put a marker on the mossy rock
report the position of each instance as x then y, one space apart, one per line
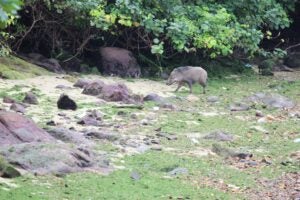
15 68
7 170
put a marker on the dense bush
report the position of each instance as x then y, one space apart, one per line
163 27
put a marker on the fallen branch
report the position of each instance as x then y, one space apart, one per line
80 49
293 46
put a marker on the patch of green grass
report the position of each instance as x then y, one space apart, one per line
153 183
87 105
15 68
14 92
153 166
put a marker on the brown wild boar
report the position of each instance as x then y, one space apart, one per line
189 75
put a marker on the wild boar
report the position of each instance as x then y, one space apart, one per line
189 75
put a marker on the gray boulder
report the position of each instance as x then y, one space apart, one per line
15 128
94 88
271 100
119 62
53 158
30 98
17 107
219 136
293 60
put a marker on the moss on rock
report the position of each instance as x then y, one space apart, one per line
15 68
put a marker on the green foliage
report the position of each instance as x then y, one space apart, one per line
8 9
163 27
212 26
272 58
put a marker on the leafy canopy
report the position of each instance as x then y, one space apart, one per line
217 27
214 27
8 9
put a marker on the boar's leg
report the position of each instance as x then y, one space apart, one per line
190 86
204 87
180 84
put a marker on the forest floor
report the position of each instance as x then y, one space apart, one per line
198 148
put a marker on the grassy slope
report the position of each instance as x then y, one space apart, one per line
209 177
16 68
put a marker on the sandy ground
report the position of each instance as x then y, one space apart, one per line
288 76
47 85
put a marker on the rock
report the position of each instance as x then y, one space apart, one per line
156 108
225 152
119 62
30 98
259 113
121 113
72 65
155 141
64 102
115 92
297 140
295 114
15 128
53 158
63 87
142 148
92 118
192 98
111 92
118 93
153 97
135 175
69 136
51 123
18 108
259 129
271 100
95 114
239 107
212 99
293 60
51 64
133 116
219 136
156 148
36 56
249 162
178 171
94 88
81 83
145 122
89 121
167 106
295 155
103 135
62 114
8 100
267 118
167 136
7 170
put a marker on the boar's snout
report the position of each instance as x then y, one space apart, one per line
169 81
